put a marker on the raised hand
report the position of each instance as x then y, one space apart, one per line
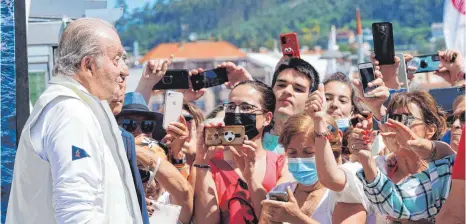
191 95
390 72
155 70
178 132
205 153
235 73
360 142
451 66
316 104
380 95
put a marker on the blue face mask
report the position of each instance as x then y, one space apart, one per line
343 124
303 170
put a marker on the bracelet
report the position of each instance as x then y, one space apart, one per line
434 152
321 134
154 171
202 166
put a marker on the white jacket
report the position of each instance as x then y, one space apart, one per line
78 171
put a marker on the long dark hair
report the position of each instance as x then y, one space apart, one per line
267 98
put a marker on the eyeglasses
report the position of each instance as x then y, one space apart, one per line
452 118
405 119
243 108
130 125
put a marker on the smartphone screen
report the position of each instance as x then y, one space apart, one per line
209 78
174 79
366 71
384 47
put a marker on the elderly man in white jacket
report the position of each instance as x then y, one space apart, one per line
71 166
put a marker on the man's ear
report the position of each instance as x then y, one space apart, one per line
86 64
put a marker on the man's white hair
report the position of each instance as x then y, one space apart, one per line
78 40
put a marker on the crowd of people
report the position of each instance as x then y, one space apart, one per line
92 153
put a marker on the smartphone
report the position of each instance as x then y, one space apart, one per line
425 63
366 73
172 107
384 47
446 96
174 79
209 78
290 45
278 196
228 135
403 72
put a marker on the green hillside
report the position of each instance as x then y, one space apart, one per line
257 23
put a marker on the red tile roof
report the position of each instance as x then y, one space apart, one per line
195 50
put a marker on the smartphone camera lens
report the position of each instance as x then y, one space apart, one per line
167 80
435 58
382 29
283 39
424 64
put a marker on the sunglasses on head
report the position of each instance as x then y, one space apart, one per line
452 118
130 125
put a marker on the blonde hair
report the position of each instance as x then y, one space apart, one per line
303 124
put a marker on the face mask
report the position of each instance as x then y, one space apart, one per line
303 170
343 124
246 120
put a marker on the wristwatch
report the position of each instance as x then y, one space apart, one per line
178 161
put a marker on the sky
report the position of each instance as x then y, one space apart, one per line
131 3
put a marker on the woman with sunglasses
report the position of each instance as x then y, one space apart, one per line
456 121
231 182
413 180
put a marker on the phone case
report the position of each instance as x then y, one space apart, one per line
172 107
278 196
290 45
425 63
209 78
384 47
402 72
228 135
174 79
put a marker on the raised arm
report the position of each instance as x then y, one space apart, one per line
329 174
153 72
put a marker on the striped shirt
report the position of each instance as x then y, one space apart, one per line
419 196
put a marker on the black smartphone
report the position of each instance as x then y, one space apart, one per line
174 79
209 78
366 72
384 47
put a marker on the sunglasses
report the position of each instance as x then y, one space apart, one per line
130 125
188 117
405 119
452 118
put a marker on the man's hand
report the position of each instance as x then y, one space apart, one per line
153 72
451 67
235 73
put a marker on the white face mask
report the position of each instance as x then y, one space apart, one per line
343 124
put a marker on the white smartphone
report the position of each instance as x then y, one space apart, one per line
366 73
402 72
172 108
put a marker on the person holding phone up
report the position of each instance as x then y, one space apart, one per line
232 181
